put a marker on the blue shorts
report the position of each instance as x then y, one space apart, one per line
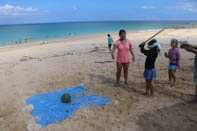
150 74
172 67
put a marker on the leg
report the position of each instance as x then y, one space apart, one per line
174 77
170 76
147 87
126 67
118 74
151 87
109 47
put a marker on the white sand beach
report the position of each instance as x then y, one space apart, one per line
33 69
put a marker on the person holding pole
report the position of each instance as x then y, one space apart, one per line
150 71
152 53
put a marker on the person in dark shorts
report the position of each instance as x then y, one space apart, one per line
110 41
150 71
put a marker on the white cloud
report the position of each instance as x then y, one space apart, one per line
148 7
187 6
10 10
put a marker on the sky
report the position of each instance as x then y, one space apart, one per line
44 11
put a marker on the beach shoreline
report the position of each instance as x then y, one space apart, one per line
58 40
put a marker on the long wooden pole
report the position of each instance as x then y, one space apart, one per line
155 35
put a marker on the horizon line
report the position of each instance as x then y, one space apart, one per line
99 21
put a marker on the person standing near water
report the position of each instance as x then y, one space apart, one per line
110 41
124 47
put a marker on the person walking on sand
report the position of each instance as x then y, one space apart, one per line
110 42
193 49
150 71
174 56
124 47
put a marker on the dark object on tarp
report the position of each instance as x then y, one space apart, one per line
66 98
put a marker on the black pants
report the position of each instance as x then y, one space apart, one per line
109 45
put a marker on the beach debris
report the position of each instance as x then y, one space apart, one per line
33 127
103 62
26 58
66 98
28 108
95 49
58 55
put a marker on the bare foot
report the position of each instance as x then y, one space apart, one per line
152 94
126 83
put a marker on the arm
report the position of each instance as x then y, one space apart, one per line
191 49
132 53
144 51
113 51
166 54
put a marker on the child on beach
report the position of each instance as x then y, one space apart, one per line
174 56
110 41
150 71
193 49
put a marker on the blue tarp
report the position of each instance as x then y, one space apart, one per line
48 107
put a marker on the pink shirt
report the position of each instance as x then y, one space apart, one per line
123 52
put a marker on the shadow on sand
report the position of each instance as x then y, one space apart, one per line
139 87
179 117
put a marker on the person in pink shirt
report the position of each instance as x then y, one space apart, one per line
174 56
124 47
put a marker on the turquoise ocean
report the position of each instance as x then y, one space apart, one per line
27 33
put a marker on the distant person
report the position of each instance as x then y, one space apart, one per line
43 42
110 41
12 42
124 47
193 49
174 56
150 71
